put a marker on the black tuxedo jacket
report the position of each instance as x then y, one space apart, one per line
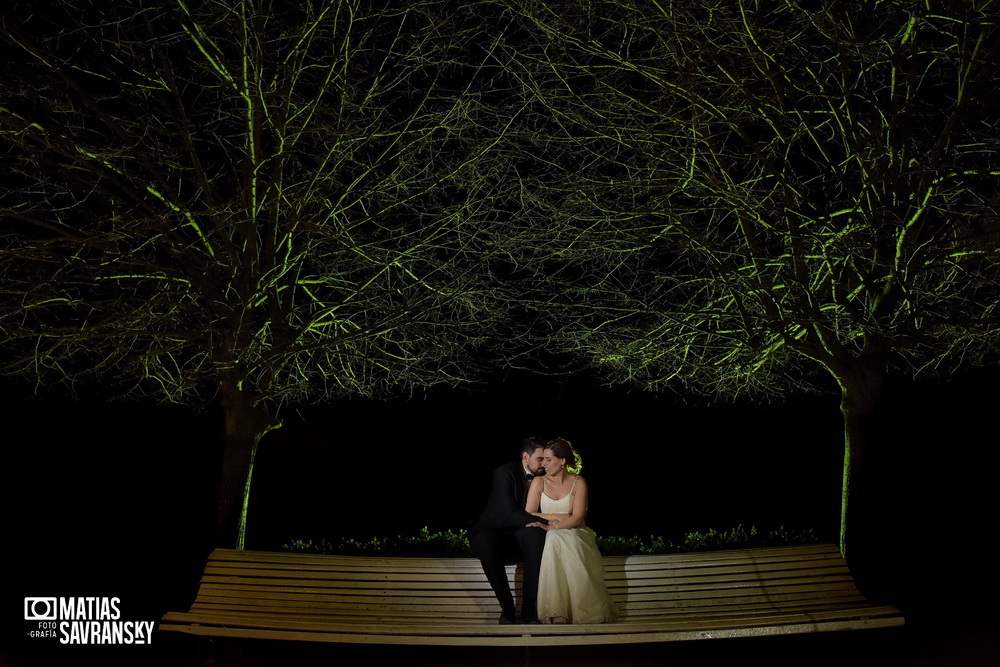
505 507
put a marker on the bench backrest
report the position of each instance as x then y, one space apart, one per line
789 577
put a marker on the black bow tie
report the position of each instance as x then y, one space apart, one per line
529 476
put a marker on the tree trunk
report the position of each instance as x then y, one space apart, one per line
246 422
861 385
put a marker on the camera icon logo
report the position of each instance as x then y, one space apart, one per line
40 609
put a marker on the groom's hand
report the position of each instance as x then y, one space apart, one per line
543 526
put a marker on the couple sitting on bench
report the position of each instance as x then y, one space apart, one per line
538 505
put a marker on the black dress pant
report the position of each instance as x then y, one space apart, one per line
496 547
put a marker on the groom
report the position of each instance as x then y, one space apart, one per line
500 533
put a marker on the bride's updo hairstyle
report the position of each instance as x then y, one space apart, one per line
561 449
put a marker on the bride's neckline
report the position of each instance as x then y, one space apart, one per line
569 493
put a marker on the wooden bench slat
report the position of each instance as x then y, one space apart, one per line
251 623
438 611
273 561
705 589
437 607
489 606
294 587
722 569
533 640
394 626
613 572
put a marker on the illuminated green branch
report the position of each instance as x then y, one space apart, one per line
800 168
217 199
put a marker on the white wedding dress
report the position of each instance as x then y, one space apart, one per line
571 586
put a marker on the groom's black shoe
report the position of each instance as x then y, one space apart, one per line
506 619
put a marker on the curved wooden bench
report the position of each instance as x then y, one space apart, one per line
437 601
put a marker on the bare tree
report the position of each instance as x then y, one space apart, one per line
261 201
752 193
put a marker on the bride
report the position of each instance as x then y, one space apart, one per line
571 585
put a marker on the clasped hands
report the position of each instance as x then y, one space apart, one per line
553 524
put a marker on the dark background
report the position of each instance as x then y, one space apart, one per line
117 499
